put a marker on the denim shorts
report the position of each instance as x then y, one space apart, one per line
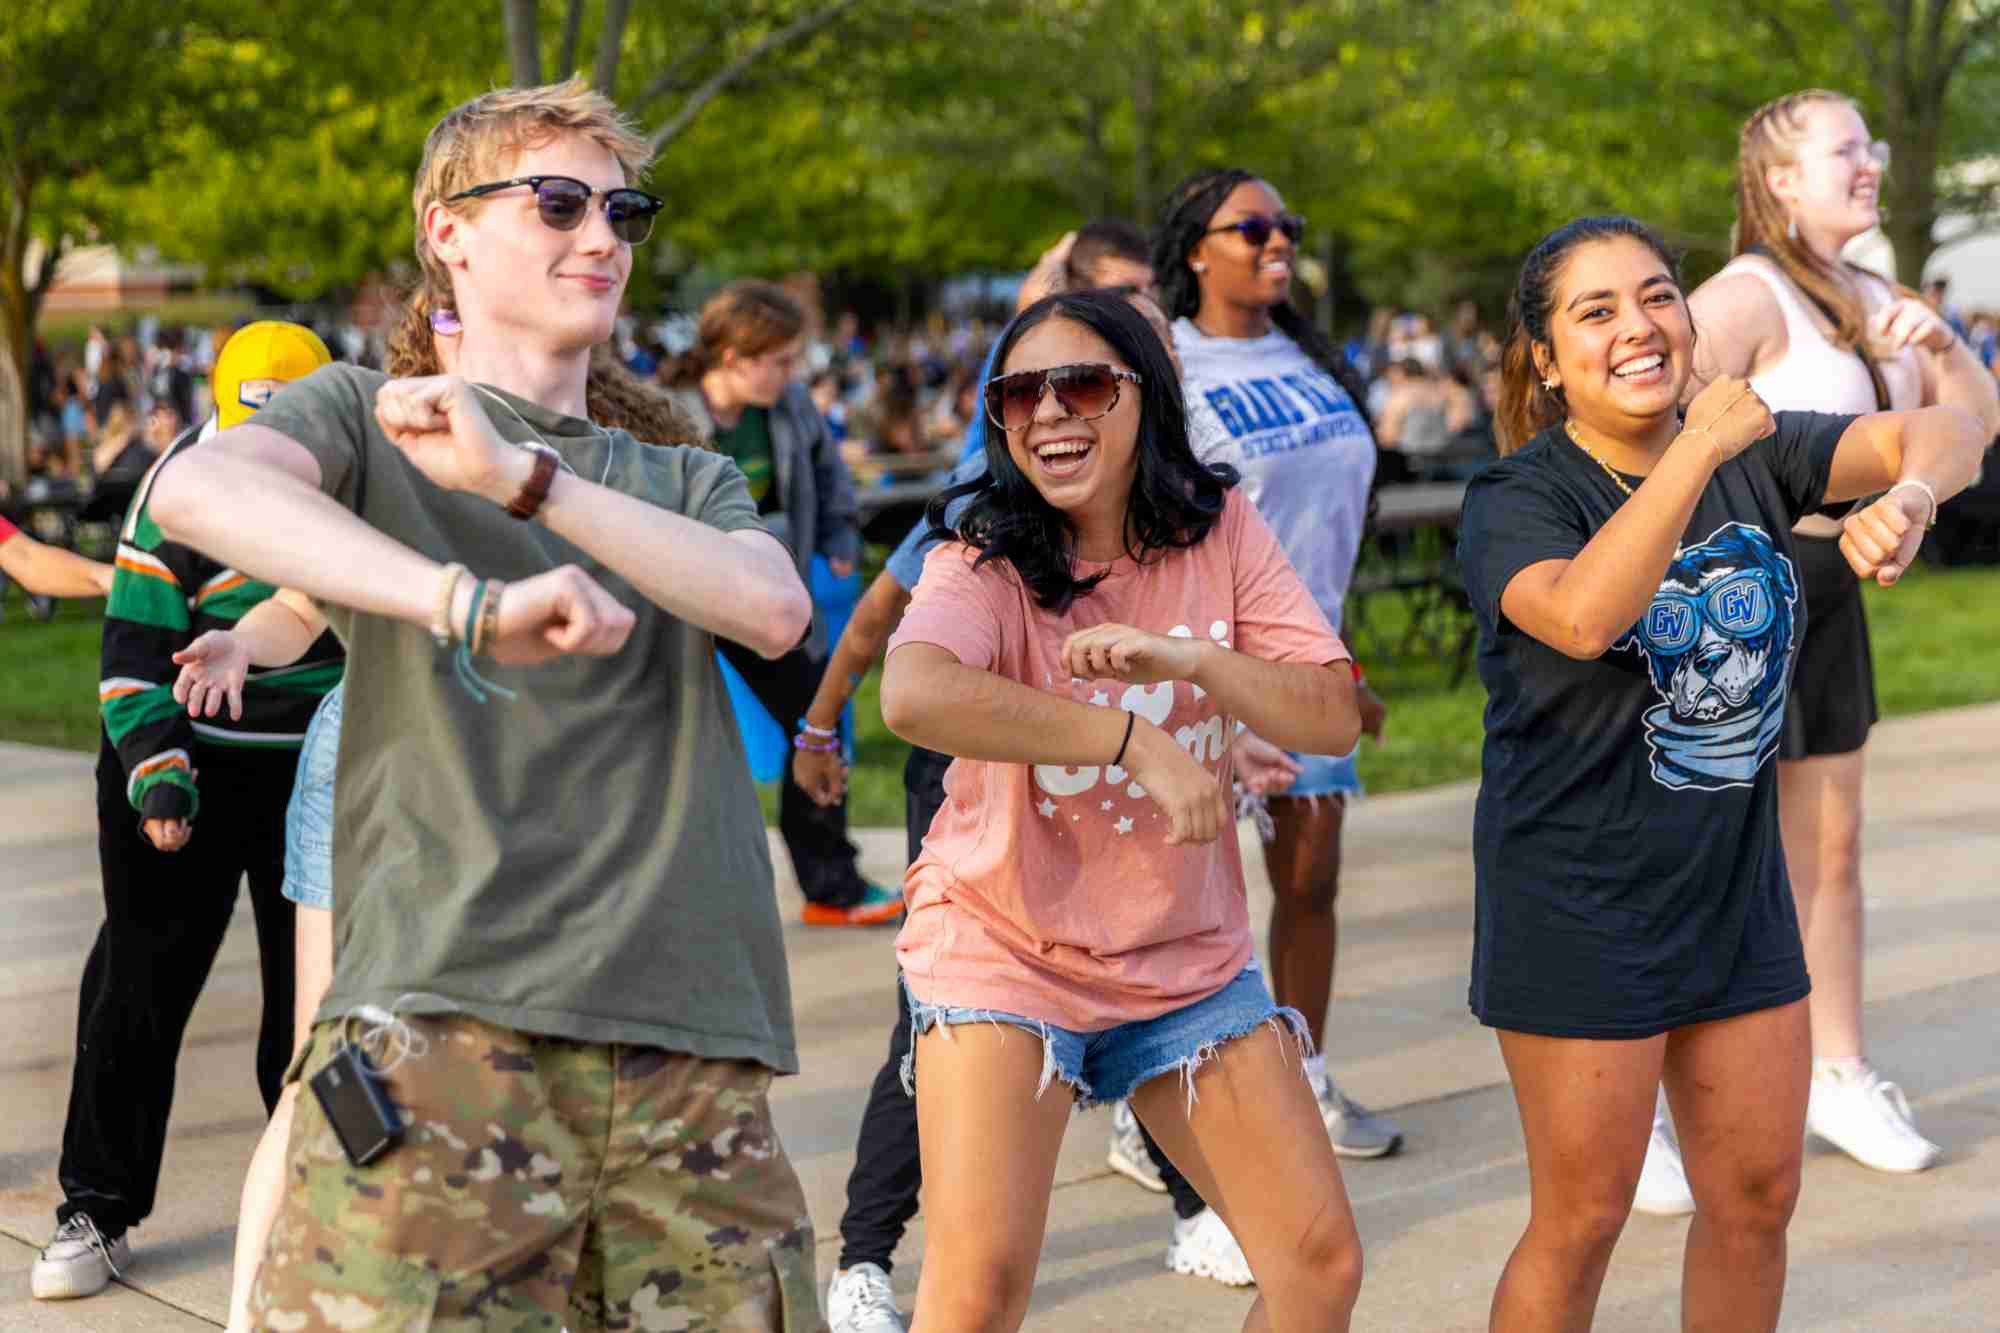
309 818
1107 1066
1324 775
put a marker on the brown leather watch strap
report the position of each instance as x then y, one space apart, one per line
536 488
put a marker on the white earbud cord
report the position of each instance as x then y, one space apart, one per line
544 442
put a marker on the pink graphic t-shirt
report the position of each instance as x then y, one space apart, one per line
1051 892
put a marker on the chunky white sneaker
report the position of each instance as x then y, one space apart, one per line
1868 1118
1663 1183
858 1300
1203 1247
79 1261
1355 1130
1128 1155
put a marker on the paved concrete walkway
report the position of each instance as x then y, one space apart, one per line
1869 1252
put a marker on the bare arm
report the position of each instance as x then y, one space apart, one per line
875 618
277 526
741 585
1934 447
50 571
276 632
1580 606
932 699
1953 377
822 774
1297 705
1738 330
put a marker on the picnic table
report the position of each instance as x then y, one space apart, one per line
1409 556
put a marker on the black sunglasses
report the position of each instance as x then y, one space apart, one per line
1086 391
563 200
1257 228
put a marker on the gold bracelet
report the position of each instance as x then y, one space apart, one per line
441 618
489 615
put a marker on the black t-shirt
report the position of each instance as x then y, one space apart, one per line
1629 869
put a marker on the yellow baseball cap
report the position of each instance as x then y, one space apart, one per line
256 360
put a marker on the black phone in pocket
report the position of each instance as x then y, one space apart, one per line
363 1118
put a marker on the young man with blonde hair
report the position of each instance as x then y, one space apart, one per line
553 902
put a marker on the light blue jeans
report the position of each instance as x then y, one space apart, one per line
309 818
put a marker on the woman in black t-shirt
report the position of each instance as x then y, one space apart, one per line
1638 607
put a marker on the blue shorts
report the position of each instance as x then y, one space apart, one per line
1324 775
1107 1066
309 818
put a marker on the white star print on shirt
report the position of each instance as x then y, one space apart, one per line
1047 807
1124 825
1106 807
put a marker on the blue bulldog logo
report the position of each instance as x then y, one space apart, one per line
1718 640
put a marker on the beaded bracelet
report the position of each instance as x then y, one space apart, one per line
805 742
821 732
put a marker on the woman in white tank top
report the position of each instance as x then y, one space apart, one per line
1811 332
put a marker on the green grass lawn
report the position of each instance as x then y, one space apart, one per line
1937 640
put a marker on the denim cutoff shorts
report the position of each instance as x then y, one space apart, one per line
1324 775
309 818
1107 1066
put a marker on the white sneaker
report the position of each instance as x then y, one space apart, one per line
1868 1118
1203 1247
79 1261
1354 1130
1128 1155
1663 1183
859 1300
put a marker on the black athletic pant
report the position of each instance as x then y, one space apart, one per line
888 1168
164 918
824 861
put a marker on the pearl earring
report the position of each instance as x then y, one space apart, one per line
1549 384
1791 229
1198 266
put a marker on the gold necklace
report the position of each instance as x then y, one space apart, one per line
1569 428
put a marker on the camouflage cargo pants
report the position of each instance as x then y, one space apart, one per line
544 1184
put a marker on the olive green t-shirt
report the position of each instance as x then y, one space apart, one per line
585 860
749 443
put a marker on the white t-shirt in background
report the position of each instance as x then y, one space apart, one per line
1304 451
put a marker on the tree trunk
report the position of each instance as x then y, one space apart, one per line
1910 191
572 34
1145 71
609 43
17 332
524 52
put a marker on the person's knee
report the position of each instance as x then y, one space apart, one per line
1327 1260
1586 1230
1753 1200
988 1295
1311 891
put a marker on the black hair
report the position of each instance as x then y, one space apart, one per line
1099 239
1184 221
1175 499
1526 408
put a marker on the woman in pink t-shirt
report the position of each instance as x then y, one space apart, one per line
1086 648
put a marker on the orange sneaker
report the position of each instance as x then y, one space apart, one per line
878 907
